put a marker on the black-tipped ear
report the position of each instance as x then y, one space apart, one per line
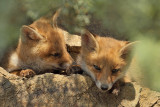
89 42
28 33
55 16
126 51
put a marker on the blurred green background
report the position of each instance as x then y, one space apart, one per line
136 20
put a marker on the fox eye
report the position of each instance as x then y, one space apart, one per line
115 70
96 67
56 54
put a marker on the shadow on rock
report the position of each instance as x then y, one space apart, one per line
7 93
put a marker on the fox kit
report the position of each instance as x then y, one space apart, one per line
41 47
105 59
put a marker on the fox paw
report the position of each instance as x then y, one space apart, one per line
74 69
27 73
115 91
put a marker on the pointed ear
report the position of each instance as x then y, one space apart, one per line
28 33
54 18
89 42
126 51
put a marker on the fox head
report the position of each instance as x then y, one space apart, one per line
42 46
105 59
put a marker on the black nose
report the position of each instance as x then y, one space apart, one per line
104 87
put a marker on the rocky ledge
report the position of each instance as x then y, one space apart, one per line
69 91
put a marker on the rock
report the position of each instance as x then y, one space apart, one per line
73 43
72 40
69 91
149 98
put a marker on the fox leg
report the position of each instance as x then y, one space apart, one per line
24 73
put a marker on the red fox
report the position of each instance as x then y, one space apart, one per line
105 59
41 47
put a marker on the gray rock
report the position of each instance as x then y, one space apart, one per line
69 91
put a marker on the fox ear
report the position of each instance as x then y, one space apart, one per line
55 16
126 51
28 33
89 42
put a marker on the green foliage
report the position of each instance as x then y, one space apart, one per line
129 17
148 55
73 11
11 19
75 14
38 8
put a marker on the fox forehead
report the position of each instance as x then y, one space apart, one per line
44 27
108 53
53 35
109 44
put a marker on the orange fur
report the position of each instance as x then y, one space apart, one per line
107 54
41 47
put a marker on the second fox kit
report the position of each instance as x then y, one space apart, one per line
41 47
105 59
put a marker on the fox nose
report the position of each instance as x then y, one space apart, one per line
64 65
104 87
